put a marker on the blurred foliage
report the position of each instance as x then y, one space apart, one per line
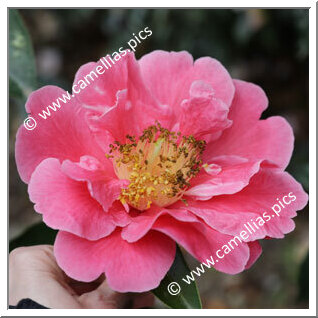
268 47
22 73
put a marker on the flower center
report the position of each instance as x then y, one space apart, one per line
158 164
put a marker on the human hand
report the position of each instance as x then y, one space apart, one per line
34 274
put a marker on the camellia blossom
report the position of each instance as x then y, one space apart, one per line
155 152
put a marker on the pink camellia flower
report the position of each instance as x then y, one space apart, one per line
154 152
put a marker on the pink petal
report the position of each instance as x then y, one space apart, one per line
141 224
169 76
103 187
129 267
120 216
213 72
135 108
271 139
235 173
66 204
203 115
104 83
101 93
230 214
255 253
164 73
203 242
64 135
111 120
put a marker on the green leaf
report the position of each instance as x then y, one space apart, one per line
35 235
188 297
22 73
14 90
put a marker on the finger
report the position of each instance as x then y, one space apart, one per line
82 288
104 297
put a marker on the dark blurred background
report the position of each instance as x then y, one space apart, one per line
266 46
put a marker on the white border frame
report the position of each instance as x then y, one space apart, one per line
312 160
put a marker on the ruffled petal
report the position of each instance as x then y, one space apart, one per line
233 175
235 213
129 267
135 108
164 73
271 139
203 242
169 75
105 80
64 135
213 72
66 204
203 115
141 224
102 184
255 253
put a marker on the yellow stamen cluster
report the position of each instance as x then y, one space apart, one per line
158 165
